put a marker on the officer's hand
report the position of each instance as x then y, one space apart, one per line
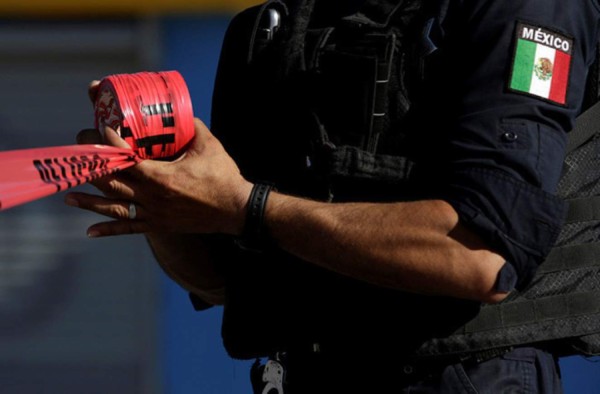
94 136
200 192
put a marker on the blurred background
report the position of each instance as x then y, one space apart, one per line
98 316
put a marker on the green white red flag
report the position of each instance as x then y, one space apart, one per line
542 63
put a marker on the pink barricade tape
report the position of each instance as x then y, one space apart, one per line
30 174
151 111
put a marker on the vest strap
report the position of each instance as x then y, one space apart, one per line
583 209
376 13
571 257
526 312
348 161
586 127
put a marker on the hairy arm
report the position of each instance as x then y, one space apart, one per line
414 246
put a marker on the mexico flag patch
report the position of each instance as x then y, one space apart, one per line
542 63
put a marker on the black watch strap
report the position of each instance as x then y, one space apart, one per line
254 236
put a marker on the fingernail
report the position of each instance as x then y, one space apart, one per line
93 233
71 201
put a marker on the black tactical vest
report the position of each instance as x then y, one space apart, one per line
321 108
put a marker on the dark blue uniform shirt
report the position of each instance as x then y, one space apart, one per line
499 86
505 81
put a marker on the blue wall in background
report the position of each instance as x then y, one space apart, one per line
194 359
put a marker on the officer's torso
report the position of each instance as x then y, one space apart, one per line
316 130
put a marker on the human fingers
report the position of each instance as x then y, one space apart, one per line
89 136
93 90
110 185
113 208
93 136
111 137
140 170
201 135
118 227
116 186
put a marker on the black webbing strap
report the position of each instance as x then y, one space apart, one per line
292 56
531 311
565 258
571 257
579 255
583 209
348 161
587 126
376 13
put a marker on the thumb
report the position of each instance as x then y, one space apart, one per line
89 136
111 137
93 90
202 138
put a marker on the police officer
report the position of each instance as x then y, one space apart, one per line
340 271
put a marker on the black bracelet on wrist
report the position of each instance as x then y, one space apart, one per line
253 236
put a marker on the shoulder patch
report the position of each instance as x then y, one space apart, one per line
541 63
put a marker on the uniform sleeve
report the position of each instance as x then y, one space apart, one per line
513 75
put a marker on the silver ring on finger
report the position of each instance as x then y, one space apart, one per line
132 211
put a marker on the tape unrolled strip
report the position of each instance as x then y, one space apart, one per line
151 111
31 174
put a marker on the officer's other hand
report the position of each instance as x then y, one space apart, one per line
91 136
95 137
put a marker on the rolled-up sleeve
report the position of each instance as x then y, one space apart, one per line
506 116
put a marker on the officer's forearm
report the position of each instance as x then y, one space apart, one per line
415 246
186 259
